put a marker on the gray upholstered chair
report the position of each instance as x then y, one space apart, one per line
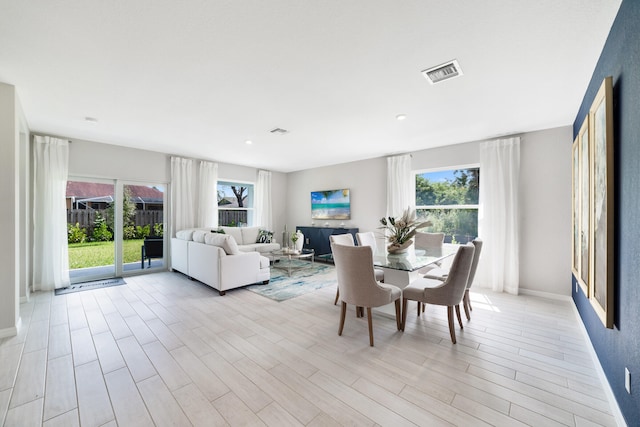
358 285
369 239
448 293
428 241
441 274
341 239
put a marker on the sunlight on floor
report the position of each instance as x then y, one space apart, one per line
482 302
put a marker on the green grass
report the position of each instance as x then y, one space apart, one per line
97 254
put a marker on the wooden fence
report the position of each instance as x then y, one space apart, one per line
86 217
232 217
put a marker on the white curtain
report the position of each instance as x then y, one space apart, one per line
183 212
400 186
50 252
498 224
263 200
207 195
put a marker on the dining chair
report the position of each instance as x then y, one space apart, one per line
447 293
341 239
441 273
428 241
358 285
369 239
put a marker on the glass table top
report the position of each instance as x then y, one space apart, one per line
413 259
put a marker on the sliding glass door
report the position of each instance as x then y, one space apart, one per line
143 227
90 225
114 228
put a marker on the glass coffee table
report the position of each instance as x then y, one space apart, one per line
287 260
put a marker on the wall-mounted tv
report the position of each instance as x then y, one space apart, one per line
332 204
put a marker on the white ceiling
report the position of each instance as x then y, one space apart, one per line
199 77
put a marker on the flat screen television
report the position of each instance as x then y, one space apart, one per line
332 204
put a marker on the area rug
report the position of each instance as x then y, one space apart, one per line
89 286
281 287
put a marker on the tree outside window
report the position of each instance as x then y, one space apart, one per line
450 200
235 203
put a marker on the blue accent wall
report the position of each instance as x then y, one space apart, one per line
619 347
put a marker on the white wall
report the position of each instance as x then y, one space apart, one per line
544 199
366 180
9 218
545 211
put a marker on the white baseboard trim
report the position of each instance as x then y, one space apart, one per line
615 408
547 295
24 299
13 331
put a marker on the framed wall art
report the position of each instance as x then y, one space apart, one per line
581 254
602 203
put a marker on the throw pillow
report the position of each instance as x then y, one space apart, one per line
264 236
230 246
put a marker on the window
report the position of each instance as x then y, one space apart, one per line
235 203
449 199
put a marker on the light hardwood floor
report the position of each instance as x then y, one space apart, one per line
163 350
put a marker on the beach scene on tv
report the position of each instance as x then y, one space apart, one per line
332 204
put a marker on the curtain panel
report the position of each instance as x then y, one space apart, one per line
183 214
263 200
50 251
498 223
207 195
400 186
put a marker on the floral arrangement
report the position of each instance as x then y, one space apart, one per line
401 230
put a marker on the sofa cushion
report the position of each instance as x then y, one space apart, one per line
214 239
230 246
264 236
184 235
249 234
198 236
236 232
224 241
260 247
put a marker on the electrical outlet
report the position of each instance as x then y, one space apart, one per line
627 380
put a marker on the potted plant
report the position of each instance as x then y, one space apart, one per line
400 230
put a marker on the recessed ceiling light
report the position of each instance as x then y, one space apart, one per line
91 120
248 142
401 116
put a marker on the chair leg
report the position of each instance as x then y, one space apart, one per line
423 306
468 299
452 332
398 315
466 304
370 320
337 296
404 313
458 315
343 314
418 308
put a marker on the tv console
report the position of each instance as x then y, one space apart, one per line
317 238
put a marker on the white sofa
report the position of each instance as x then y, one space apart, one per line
216 259
246 239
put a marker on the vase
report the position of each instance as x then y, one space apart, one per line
300 242
401 248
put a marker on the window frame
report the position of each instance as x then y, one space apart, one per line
417 172
250 196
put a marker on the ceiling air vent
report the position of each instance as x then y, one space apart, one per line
278 131
442 72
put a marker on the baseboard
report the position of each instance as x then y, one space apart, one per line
11 332
615 408
547 295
